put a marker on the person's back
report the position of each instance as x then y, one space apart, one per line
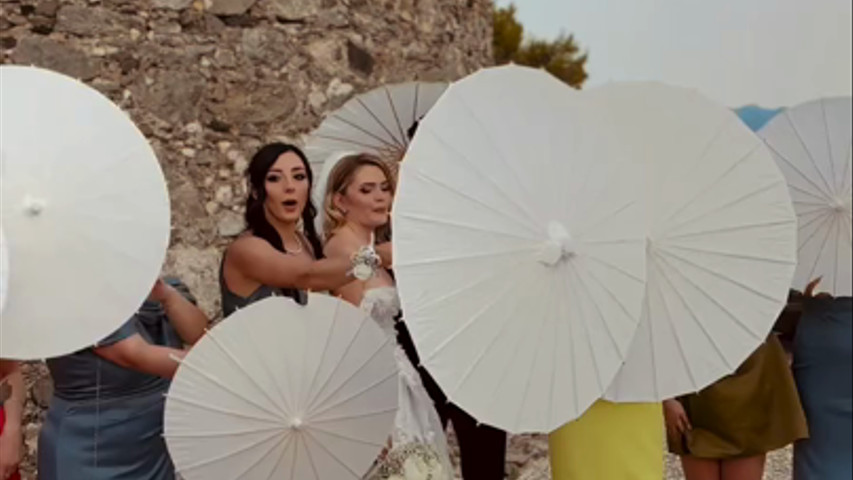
823 360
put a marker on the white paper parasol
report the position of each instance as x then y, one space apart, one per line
812 146
519 250
375 122
85 212
721 238
283 391
4 269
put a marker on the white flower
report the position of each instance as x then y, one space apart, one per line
438 470
414 468
412 461
363 272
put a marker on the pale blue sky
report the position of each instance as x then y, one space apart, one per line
768 52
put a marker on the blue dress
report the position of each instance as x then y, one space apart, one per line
823 367
105 422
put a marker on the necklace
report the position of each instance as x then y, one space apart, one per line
298 250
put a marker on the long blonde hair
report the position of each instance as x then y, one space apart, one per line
340 179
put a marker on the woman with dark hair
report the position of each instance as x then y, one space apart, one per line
280 253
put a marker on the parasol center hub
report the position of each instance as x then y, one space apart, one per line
840 204
34 206
296 424
558 247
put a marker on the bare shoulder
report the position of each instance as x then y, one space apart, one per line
246 251
247 243
341 245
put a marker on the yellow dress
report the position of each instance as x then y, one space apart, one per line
611 442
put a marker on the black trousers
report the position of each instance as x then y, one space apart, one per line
483 448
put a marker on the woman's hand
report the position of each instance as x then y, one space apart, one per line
810 288
677 423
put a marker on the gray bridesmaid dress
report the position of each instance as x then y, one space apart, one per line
231 302
105 422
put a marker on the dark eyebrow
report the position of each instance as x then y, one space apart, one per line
298 168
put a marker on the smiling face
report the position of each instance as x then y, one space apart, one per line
366 200
287 186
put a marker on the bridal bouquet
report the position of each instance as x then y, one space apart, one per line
413 461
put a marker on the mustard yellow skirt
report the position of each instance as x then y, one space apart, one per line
610 442
753 411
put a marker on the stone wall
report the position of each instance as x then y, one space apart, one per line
208 81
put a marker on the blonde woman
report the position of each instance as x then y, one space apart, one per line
357 204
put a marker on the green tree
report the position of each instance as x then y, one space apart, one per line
561 57
508 34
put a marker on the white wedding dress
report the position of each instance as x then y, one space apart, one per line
417 423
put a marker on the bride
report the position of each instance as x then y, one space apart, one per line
356 206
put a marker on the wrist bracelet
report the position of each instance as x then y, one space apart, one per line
365 262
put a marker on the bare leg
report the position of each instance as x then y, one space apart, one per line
751 468
701 468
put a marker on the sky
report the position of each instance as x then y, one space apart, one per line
772 53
